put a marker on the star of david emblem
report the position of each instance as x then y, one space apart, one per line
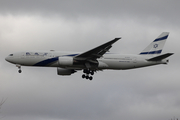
155 45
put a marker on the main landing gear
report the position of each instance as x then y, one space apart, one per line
19 67
86 75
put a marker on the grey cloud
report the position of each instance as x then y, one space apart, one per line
105 8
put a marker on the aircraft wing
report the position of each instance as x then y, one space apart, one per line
97 52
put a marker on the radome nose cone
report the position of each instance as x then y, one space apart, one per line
6 58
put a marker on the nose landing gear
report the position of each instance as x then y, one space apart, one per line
19 71
86 75
19 67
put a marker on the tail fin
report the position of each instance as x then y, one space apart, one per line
156 46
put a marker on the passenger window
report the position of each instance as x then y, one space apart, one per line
28 54
36 54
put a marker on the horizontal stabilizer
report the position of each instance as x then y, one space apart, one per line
160 57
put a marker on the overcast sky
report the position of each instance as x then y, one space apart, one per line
151 93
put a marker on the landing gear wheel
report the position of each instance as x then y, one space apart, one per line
19 71
83 76
92 72
19 67
87 77
90 78
87 72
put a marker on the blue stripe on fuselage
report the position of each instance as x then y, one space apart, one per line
51 60
46 62
162 38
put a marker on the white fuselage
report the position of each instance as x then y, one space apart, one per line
94 59
108 61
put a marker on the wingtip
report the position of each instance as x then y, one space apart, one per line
117 38
171 53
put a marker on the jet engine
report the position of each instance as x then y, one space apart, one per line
62 71
65 61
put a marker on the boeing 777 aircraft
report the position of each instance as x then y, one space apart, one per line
93 60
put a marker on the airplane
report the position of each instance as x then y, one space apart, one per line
96 59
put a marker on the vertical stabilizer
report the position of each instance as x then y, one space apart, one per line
156 46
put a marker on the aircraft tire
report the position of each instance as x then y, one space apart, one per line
90 78
87 77
19 71
92 72
83 76
84 71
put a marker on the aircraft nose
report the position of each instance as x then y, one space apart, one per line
7 59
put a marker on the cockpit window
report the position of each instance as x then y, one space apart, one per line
11 55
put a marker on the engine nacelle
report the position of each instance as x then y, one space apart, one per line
65 61
62 71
